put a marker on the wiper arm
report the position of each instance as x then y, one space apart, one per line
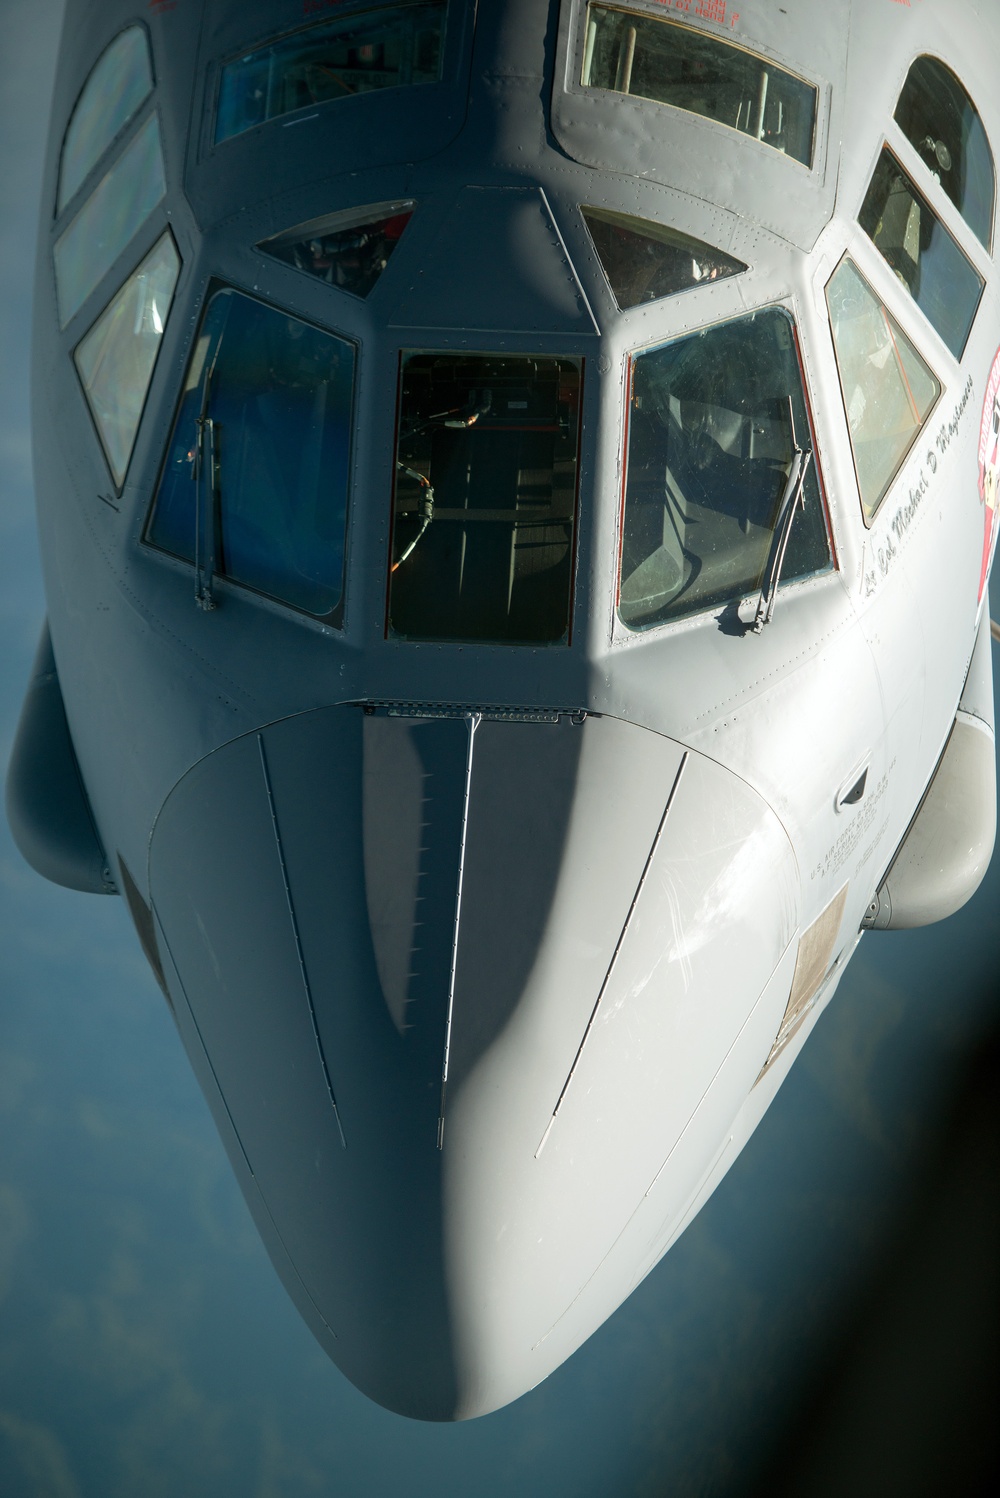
791 499
207 475
206 508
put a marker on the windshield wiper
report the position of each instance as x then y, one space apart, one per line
207 498
206 505
792 497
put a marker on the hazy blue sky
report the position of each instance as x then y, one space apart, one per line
146 1347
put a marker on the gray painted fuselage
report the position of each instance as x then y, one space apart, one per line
479 992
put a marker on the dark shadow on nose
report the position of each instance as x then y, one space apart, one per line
522 794
306 880
257 877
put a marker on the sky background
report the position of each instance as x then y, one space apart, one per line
824 1327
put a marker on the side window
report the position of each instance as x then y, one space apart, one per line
392 47
942 125
714 422
112 215
888 390
116 356
912 240
115 360
118 83
255 481
644 261
673 64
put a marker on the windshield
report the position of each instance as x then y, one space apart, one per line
485 501
713 426
256 473
386 47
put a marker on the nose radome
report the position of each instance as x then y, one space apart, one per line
639 1027
463 983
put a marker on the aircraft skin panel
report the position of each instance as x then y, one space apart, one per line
612 131
479 942
278 968
695 1164
645 1068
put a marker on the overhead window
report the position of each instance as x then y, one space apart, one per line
484 509
888 389
254 487
349 250
942 124
118 83
718 433
113 214
115 360
391 47
644 261
673 64
911 238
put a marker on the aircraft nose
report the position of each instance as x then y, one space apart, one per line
455 987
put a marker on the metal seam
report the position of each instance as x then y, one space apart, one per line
473 721
295 933
615 954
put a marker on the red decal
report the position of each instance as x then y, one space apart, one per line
989 467
712 10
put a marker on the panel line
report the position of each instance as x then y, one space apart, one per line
615 954
298 940
473 721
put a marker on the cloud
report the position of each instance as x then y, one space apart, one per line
32 1459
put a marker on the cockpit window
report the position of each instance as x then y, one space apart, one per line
349 250
942 125
943 283
391 47
115 360
110 217
485 498
675 64
888 389
715 419
644 261
911 238
255 482
118 83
